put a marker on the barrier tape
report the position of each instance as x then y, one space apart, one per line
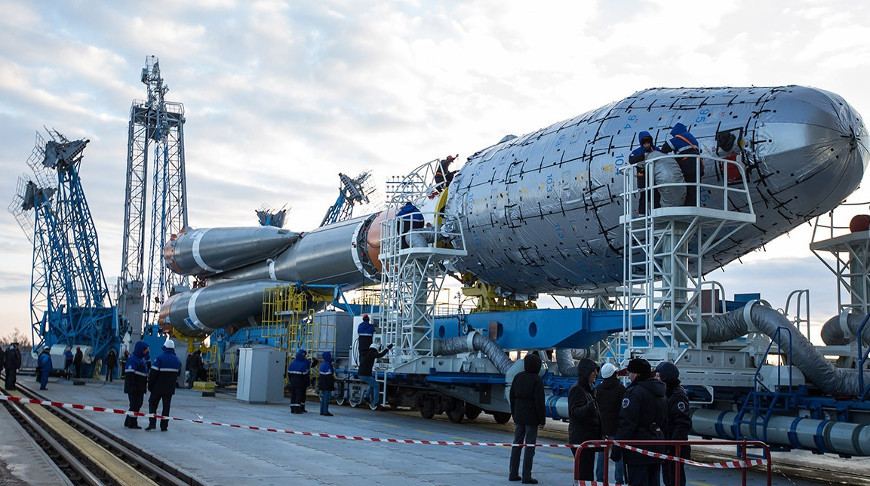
715 465
117 411
596 483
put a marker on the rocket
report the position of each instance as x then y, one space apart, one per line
540 212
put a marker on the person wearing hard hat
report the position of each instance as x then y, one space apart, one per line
609 394
162 380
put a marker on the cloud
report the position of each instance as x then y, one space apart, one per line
280 97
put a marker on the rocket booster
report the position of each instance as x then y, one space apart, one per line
213 250
541 212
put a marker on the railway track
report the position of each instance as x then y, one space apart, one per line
86 453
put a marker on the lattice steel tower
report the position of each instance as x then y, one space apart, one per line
69 297
155 130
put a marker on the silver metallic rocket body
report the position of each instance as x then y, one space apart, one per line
209 251
326 256
541 212
199 312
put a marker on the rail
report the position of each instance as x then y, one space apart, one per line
636 445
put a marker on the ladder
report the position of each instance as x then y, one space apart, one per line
413 264
665 248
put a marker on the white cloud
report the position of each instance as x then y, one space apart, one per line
281 96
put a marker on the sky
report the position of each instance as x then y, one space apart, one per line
280 97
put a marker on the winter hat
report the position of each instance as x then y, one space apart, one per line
608 370
366 317
667 371
639 366
169 344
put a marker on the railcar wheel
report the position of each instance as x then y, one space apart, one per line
456 412
472 411
501 417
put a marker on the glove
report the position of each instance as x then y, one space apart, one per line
390 346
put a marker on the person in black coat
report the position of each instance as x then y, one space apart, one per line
297 374
584 419
111 363
135 382
527 408
366 374
162 379
77 362
679 421
12 361
643 416
609 394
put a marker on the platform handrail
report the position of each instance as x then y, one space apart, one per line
638 445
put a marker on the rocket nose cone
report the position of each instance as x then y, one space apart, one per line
812 150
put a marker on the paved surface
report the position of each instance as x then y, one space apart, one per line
229 456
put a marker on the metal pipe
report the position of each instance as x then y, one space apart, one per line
815 367
798 432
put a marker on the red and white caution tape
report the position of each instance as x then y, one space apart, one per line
716 465
48 403
32 401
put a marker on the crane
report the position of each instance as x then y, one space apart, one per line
69 298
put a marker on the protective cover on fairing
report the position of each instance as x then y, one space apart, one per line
541 211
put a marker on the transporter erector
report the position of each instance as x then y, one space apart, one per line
548 212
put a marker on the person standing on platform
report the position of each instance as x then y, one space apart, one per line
608 394
365 332
111 363
67 362
643 417
43 364
161 383
77 362
2 359
135 382
638 156
326 383
366 373
13 362
684 145
584 419
679 421
527 408
298 374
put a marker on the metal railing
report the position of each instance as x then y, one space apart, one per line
743 464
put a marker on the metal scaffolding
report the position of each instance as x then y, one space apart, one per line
156 130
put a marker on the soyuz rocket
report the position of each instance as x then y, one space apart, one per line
541 211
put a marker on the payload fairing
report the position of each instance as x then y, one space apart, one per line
541 211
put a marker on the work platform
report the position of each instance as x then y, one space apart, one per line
229 456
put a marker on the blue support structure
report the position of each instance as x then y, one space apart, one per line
70 301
